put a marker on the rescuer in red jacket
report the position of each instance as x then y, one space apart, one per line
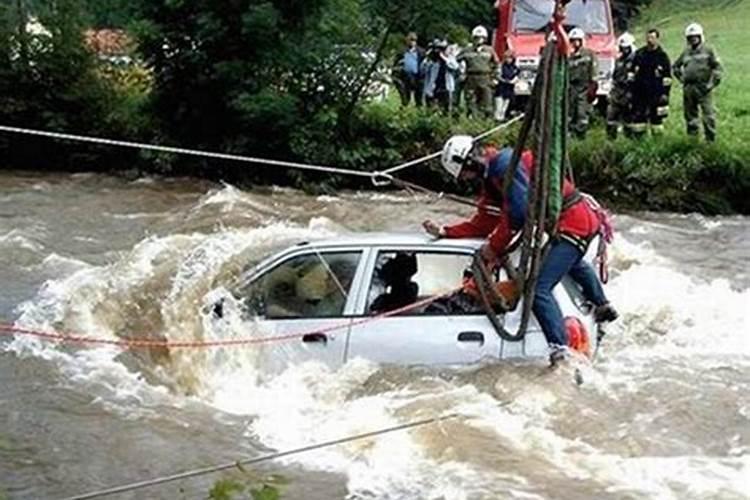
578 225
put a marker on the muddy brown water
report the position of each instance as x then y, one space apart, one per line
663 413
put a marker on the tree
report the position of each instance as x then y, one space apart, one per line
243 75
109 13
48 77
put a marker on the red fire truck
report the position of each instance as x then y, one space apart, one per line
523 25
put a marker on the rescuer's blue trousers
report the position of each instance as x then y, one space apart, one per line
563 258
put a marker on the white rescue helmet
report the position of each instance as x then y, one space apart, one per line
694 29
455 152
479 32
576 34
625 41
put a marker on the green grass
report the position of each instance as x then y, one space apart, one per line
726 25
673 171
244 484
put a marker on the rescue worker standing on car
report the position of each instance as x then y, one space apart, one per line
699 69
577 226
480 64
582 83
620 105
653 83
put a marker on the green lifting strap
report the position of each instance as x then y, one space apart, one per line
545 125
557 144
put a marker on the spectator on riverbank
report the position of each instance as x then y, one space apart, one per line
620 103
582 83
480 62
699 70
652 85
505 89
440 68
406 71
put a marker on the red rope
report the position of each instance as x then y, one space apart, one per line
131 343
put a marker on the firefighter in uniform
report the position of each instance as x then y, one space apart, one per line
582 83
699 70
578 224
619 107
653 83
479 62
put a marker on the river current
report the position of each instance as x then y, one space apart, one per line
663 413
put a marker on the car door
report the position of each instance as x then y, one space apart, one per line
306 300
415 337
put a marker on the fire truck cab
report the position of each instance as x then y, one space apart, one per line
523 24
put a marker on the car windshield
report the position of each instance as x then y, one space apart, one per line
535 15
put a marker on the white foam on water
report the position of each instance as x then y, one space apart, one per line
138 215
17 238
61 265
389 198
309 404
103 301
328 199
229 197
676 477
665 313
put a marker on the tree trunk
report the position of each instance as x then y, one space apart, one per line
23 48
357 94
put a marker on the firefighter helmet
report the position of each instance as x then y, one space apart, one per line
576 34
479 32
694 29
626 40
456 152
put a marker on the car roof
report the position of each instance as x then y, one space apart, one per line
393 239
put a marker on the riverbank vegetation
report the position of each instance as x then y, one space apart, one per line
291 80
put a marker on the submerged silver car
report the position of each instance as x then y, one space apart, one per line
335 300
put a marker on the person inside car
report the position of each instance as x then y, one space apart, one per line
396 275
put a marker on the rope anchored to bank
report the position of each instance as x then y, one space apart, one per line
184 151
382 175
418 161
378 178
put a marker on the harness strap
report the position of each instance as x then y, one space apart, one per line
579 242
571 199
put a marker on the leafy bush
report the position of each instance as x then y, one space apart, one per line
50 80
379 136
671 172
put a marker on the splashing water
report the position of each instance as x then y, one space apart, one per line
663 412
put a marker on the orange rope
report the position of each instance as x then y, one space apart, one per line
131 343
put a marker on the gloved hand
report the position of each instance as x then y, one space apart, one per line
433 229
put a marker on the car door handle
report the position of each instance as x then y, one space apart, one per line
471 337
315 337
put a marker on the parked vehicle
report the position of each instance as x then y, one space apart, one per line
327 292
522 26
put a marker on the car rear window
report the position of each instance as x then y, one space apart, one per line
535 15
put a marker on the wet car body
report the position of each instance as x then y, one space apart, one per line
325 292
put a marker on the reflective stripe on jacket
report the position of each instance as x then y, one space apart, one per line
577 220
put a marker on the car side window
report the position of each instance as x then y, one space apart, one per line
402 278
313 285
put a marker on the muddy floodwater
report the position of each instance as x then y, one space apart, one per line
663 413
